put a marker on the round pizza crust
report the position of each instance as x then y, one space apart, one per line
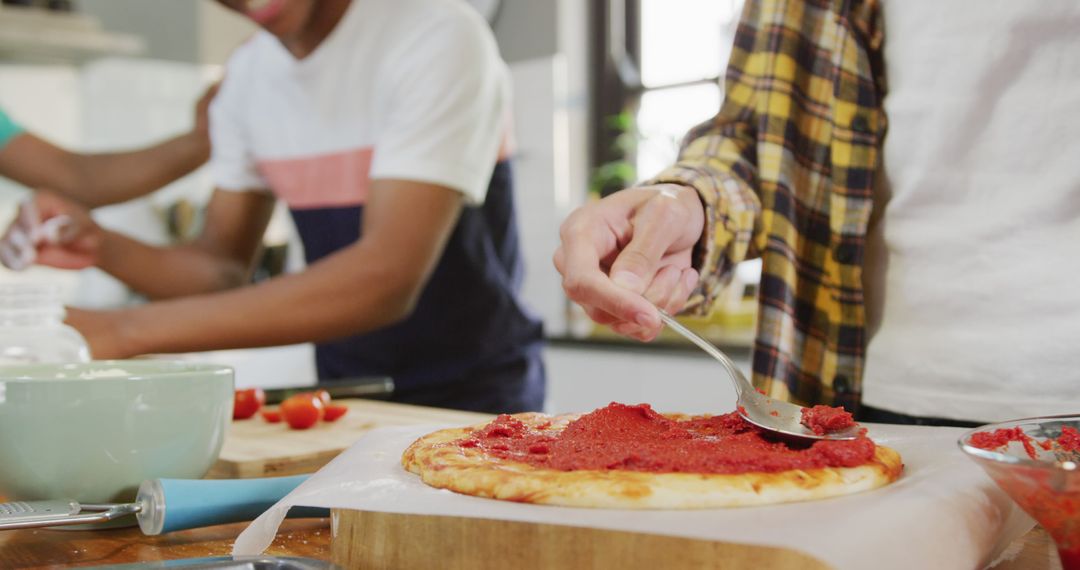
444 465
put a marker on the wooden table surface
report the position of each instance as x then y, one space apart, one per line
297 537
47 548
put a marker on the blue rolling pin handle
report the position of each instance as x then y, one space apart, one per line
193 503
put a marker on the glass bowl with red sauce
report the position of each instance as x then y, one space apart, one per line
1036 461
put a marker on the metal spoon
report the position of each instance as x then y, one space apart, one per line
782 418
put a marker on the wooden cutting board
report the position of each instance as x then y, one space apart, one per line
376 541
257 448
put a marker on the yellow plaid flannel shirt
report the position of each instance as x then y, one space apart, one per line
786 171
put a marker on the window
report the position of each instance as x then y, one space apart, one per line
684 47
659 67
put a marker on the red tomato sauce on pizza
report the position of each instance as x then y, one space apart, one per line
1070 559
636 438
1038 491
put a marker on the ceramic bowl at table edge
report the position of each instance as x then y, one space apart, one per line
94 440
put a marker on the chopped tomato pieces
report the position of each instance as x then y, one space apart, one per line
302 410
306 409
247 402
334 411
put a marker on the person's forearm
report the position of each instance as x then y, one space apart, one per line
100 179
110 178
166 272
338 296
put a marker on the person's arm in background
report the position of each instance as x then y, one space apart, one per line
107 178
640 247
220 257
368 285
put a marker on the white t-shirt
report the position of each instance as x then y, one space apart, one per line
982 290
401 89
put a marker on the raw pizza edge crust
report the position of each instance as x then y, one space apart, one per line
470 471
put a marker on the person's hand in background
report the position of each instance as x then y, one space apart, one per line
51 230
18 246
631 252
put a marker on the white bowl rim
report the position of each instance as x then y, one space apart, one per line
179 368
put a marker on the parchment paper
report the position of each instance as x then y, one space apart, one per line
942 513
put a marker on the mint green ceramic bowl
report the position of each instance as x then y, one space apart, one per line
92 432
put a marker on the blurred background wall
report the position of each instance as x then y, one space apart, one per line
603 91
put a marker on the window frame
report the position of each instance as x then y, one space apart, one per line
616 84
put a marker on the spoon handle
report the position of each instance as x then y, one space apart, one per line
737 378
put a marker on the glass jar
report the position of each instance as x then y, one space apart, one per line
32 328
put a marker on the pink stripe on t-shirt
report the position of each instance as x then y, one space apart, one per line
336 180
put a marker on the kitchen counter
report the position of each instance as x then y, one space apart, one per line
297 537
274 449
50 548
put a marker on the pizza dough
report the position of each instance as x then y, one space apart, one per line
641 463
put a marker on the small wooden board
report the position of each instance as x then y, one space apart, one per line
257 448
376 541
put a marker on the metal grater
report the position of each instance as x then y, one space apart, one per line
31 514
16 508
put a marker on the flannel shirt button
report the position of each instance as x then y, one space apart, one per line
844 253
841 384
860 124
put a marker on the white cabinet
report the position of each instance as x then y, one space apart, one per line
37 35
192 31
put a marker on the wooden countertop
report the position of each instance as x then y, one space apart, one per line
297 537
249 447
48 548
